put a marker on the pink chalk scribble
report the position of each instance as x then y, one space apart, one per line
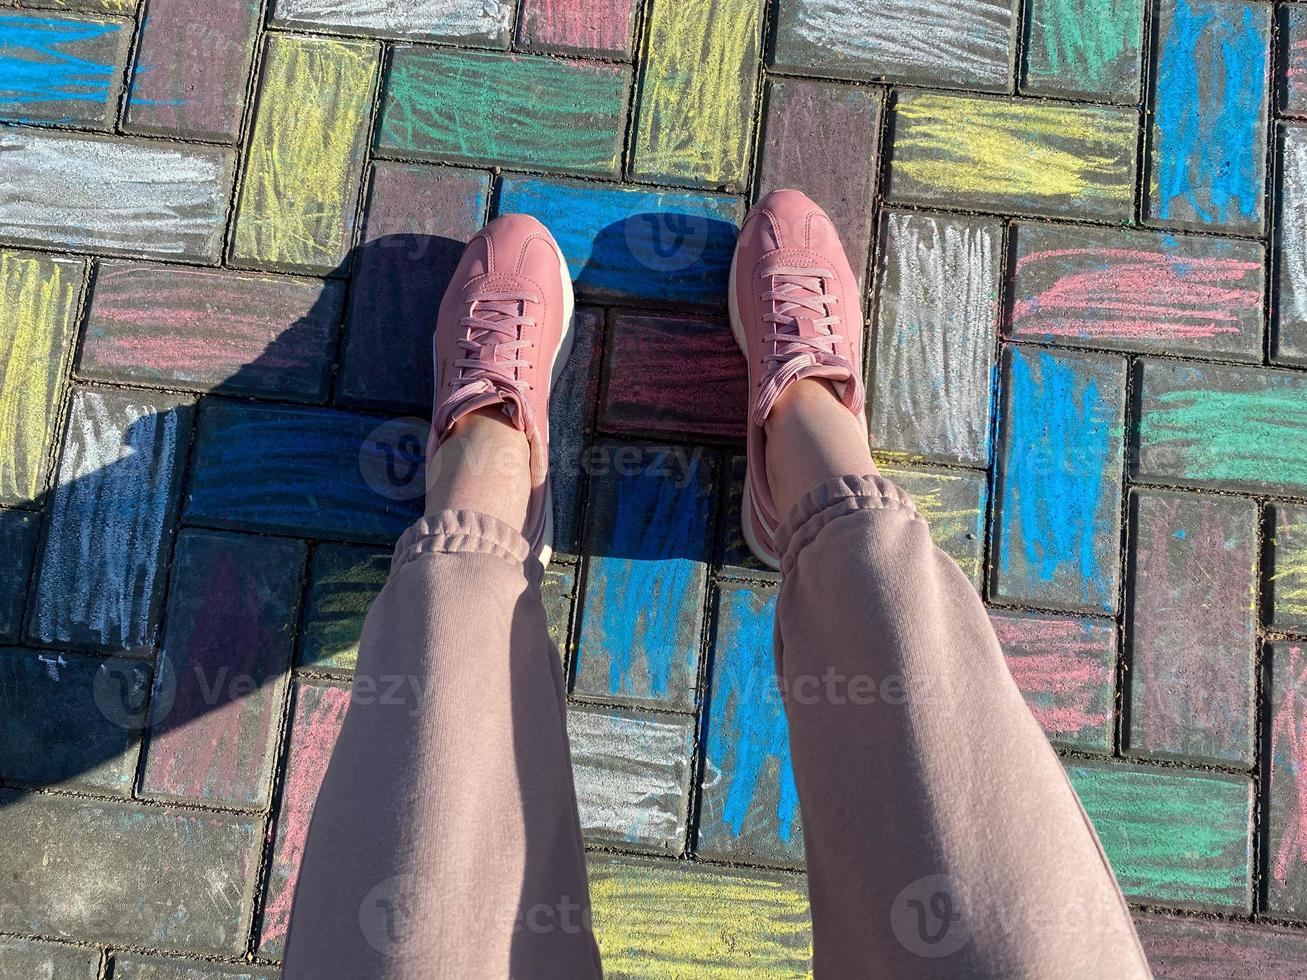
1289 752
1059 668
1135 294
313 736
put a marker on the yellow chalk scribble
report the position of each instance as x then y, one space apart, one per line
1289 579
1000 149
697 91
657 919
38 310
301 182
948 525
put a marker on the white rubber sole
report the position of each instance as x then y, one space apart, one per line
556 368
746 508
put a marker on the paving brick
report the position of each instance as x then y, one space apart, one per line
18 533
1286 844
478 22
218 692
317 713
300 187
1188 947
1289 339
699 76
1240 428
658 918
192 66
1057 539
601 27
558 593
1286 588
650 390
1013 156
62 69
546 113
648 523
38 317
114 196
824 139
129 966
1292 60
951 43
309 472
1153 822
125 873
936 319
1084 50
624 243
70 722
632 772
48 961
954 504
419 220
1192 627
571 421
749 805
343 582
1065 668
1137 291
212 330
119 478
1207 141
120 7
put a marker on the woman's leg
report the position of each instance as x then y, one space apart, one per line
942 835
445 841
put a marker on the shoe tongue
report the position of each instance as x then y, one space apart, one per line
511 402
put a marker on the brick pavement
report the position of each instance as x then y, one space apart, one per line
224 227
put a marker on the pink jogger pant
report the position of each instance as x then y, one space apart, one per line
942 836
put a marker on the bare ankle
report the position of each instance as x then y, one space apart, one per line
812 438
482 465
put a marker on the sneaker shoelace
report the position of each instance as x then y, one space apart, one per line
495 353
804 335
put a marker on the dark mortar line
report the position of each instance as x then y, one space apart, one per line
994 444
1007 94
127 74
1200 767
1078 221
1270 220
280 765
1018 44
91 796
108 949
756 122
1147 80
1124 660
240 166
639 39
612 701
54 128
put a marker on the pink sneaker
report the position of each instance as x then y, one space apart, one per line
502 337
796 314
